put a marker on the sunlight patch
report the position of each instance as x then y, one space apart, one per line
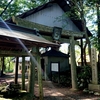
57 94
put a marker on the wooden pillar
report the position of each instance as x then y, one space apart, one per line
16 70
73 64
39 76
23 73
82 63
31 76
2 64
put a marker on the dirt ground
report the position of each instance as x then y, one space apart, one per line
54 91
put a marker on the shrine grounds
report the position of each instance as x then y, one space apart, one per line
53 91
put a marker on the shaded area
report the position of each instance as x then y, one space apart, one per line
52 91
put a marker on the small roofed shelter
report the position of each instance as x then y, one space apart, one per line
52 57
18 41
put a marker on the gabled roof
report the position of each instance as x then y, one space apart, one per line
62 3
15 38
54 53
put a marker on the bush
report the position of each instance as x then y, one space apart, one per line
84 77
65 78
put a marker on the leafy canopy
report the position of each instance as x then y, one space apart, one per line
18 7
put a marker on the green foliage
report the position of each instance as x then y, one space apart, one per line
92 15
65 78
9 65
84 77
18 7
95 43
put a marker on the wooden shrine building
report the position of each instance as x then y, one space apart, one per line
49 22
16 41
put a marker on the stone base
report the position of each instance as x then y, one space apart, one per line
94 87
72 89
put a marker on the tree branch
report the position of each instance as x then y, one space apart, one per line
5 8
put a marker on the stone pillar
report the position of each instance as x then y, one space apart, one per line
94 66
73 64
94 85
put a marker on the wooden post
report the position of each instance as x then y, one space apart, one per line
73 64
23 73
46 60
2 64
39 76
31 77
16 70
82 53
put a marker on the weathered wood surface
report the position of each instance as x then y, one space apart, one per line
39 75
73 64
43 28
31 76
23 73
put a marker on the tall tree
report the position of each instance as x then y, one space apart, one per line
18 7
98 25
95 5
79 8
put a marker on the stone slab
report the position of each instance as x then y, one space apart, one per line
94 87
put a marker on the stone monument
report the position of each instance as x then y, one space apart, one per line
94 85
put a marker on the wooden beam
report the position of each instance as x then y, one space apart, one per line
43 28
14 43
6 53
62 40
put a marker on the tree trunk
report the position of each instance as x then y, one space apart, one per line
85 30
84 54
82 62
98 19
